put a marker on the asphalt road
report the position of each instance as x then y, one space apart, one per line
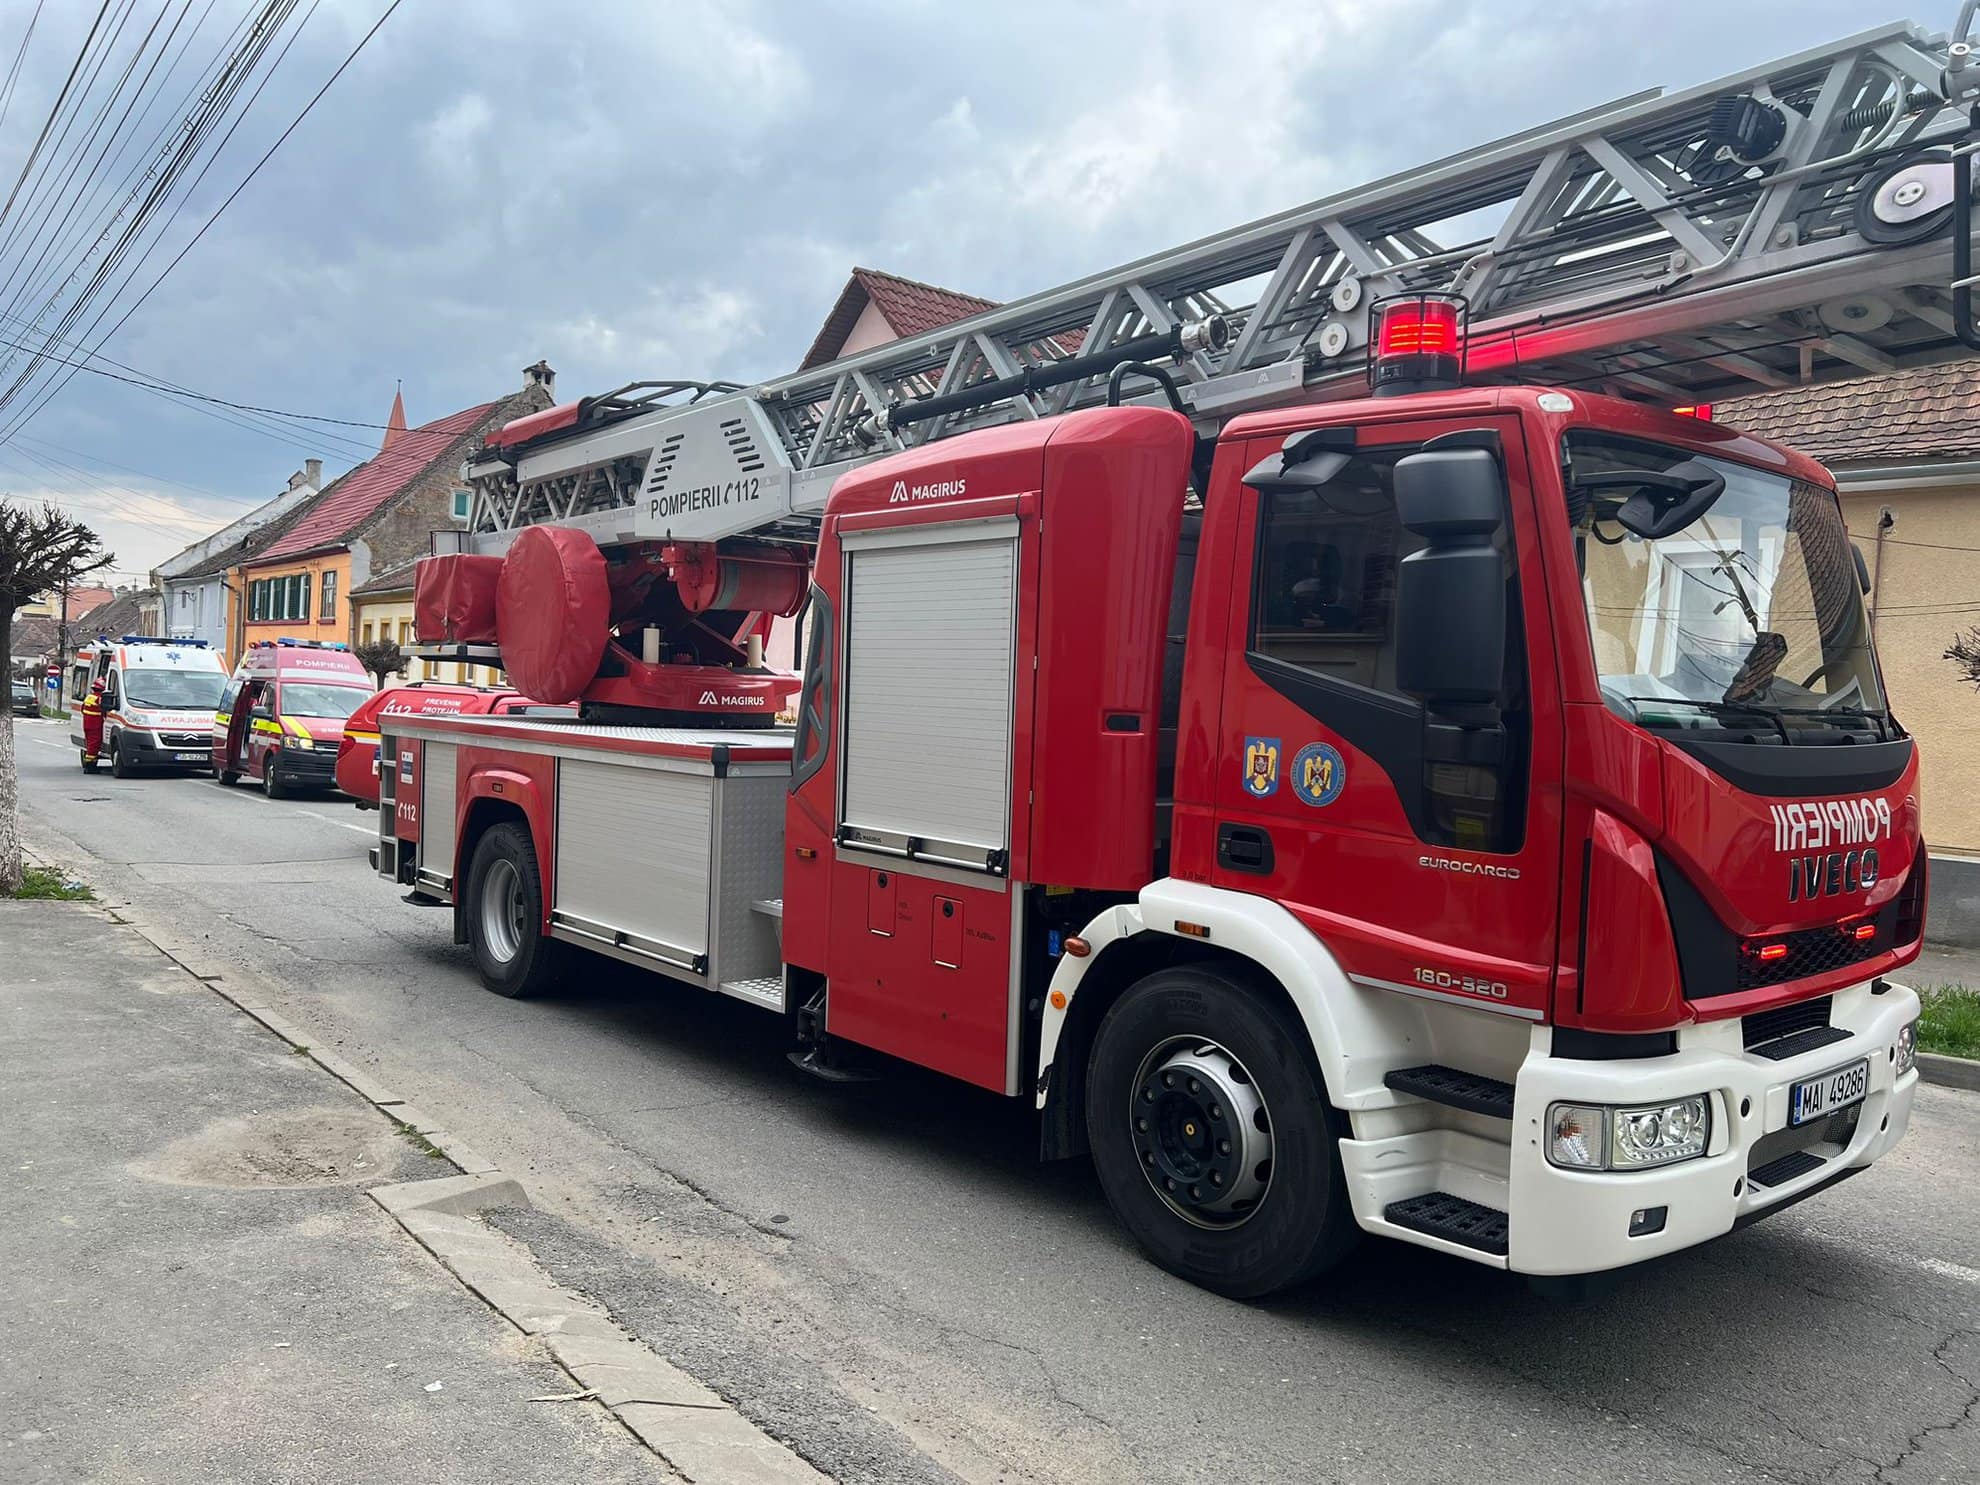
884 1277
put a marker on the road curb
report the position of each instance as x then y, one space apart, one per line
1949 1072
693 1428
696 1431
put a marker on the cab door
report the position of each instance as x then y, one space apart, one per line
1420 843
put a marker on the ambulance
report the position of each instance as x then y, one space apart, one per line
281 719
158 701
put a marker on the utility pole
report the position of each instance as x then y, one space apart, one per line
62 628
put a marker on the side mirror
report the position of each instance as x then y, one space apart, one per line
1451 596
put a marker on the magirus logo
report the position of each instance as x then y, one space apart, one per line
903 493
709 698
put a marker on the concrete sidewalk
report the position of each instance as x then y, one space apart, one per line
196 1287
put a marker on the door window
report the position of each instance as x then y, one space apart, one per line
1323 635
1326 574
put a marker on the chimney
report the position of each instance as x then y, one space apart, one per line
313 473
540 375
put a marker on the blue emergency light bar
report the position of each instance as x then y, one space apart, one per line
305 644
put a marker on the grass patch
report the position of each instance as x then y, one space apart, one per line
1950 1023
419 1141
41 885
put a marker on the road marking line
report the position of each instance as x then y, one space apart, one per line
1947 1270
340 824
44 742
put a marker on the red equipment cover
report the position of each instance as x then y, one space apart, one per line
454 599
552 611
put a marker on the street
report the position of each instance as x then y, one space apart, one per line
885 1277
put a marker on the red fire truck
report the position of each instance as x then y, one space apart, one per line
357 753
1351 792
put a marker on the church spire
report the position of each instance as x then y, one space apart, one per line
396 423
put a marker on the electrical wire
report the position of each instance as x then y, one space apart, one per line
14 72
57 384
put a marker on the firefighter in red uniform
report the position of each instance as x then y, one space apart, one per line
92 724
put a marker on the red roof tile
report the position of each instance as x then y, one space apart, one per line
360 494
1928 412
909 308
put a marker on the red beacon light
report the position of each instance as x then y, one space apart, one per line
1419 343
1699 410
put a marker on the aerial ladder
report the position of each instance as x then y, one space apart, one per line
1799 222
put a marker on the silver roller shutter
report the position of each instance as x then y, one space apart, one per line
929 641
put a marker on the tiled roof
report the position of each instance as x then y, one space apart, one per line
909 308
116 618
248 546
1930 412
397 578
331 519
34 636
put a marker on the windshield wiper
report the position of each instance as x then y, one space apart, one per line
1718 709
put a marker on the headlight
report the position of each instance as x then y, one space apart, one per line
1907 1048
300 742
1598 1137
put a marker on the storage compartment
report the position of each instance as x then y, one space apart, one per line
930 637
663 863
436 810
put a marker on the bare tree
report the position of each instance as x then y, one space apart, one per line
39 550
1964 652
382 657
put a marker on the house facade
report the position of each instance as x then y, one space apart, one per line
193 589
377 516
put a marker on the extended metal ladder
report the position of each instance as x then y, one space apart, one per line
1771 228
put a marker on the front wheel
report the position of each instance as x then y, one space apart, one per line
120 760
271 782
504 908
1213 1136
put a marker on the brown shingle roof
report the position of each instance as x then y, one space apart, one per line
397 578
1929 412
910 308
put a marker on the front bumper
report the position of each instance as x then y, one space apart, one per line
168 749
306 768
1574 1221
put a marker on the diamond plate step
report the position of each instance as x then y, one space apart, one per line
1452 1218
1460 1090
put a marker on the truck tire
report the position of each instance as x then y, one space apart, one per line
225 776
120 761
271 783
1213 1135
504 910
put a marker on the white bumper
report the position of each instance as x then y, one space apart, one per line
1570 1221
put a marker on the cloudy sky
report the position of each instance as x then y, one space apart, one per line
678 187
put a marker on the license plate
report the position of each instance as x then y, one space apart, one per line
1817 1098
189 757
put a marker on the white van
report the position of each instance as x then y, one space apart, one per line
159 696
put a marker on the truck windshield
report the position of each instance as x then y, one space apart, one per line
1748 620
173 690
337 702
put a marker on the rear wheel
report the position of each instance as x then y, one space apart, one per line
225 776
1213 1136
504 910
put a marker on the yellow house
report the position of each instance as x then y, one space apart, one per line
382 610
